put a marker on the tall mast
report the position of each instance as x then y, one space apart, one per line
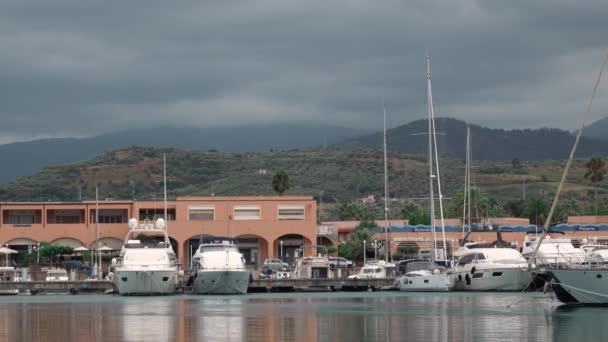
469 154
165 191
98 259
386 225
429 96
465 194
438 183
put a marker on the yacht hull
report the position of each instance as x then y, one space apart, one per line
221 282
425 283
11 292
145 282
491 279
580 286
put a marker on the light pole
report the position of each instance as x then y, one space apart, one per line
37 248
281 242
375 245
363 252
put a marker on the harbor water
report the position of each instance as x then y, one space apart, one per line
342 316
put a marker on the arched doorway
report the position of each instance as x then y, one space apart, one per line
67 242
113 243
254 249
286 246
23 246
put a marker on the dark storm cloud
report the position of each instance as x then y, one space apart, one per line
87 67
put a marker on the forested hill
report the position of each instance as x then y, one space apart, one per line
340 175
25 158
487 143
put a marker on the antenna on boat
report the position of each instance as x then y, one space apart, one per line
165 191
386 210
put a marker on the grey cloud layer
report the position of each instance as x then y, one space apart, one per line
87 67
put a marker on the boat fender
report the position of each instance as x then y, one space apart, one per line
473 270
459 277
467 279
73 291
190 280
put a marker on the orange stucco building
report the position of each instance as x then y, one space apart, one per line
265 226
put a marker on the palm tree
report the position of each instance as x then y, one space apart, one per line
280 182
596 169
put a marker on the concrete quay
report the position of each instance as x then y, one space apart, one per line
329 284
73 287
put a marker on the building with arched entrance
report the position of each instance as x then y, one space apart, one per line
260 223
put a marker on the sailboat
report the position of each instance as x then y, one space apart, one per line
428 275
482 266
576 284
380 268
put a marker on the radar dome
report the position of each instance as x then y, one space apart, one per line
160 223
133 223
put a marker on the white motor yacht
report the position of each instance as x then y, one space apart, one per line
219 268
422 276
491 269
146 268
375 269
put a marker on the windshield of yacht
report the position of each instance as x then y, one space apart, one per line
146 245
217 248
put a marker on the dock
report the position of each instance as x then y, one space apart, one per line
258 285
325 284
73 287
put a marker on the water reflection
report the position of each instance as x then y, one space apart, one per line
298 317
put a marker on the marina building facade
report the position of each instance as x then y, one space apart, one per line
266 226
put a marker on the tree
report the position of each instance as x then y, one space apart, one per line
353 248
408 210
49 251
358 212
280 182
516 163
536 209
482 206
420 217
596 169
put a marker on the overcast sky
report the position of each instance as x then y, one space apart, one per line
78 68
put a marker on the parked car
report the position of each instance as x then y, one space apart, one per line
276 264
338 262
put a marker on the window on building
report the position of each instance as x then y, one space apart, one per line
201 213
110 216
153 214
22 217
66 216
250 212
291 212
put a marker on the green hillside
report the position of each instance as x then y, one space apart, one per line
342 175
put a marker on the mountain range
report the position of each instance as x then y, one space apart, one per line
25 158
486 143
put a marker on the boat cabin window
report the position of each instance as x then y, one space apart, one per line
480 256
467 259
